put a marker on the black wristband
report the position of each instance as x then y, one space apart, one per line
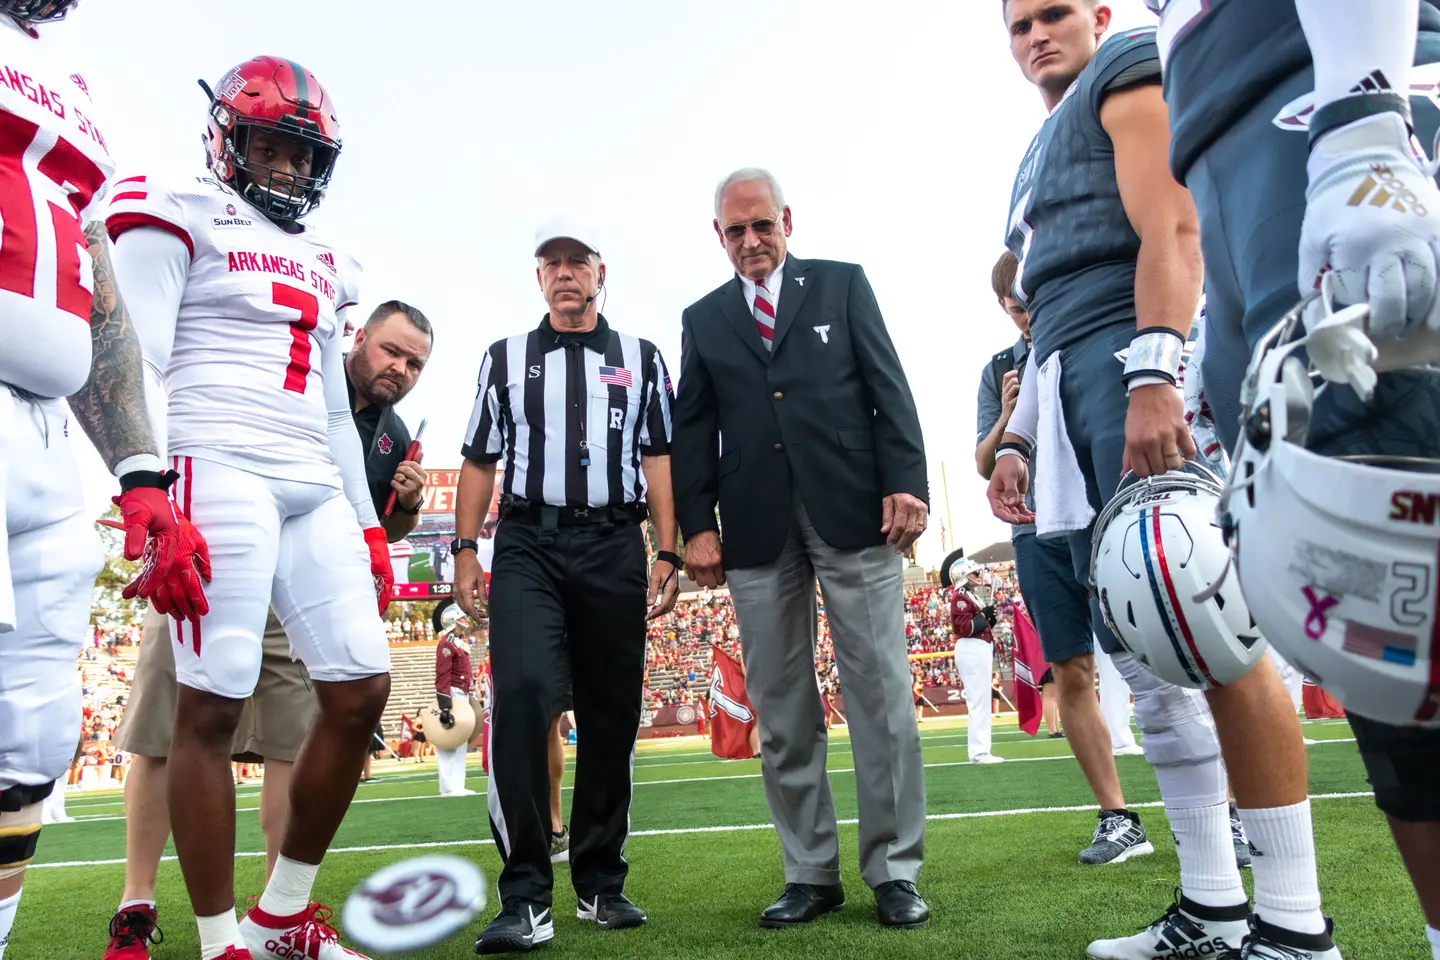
1019 446
147 478
669 558
443 699
1162 374
401 508
1347 110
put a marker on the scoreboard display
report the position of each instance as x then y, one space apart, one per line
424 569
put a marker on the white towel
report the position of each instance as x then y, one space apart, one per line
1061 506
8 404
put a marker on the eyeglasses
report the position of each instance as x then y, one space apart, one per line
763 228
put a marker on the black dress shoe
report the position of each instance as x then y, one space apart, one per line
898 905
801 903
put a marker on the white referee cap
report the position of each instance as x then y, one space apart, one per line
564 229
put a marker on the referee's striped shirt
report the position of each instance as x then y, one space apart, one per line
571 414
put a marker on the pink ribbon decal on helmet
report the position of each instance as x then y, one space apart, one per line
1315 622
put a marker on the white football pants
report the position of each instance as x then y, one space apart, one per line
1293 679
974 662
49 556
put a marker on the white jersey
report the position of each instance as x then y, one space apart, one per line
259 305
54 166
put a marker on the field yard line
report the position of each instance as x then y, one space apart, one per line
735 828
656 783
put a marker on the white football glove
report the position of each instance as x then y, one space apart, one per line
1372 222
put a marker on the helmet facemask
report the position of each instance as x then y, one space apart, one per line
281 197
38 11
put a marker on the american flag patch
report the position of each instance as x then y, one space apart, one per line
668 388
617 376
1377 644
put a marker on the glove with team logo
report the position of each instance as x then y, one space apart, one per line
380 566
176 559
1372 224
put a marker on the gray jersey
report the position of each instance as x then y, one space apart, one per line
989 407
1068 226
1224 57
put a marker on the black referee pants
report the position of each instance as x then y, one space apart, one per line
584 590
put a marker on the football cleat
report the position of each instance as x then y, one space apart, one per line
1243 850
1185 930
520 926
610 911
1119 837
1269 942
560 846
132 930
307 934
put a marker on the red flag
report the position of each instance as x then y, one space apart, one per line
1319 705
407 736
731 716
1030 666
489 689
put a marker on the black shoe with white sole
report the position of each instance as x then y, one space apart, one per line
521 926
611 911
1119 837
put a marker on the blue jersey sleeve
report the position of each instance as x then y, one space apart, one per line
988 403
1123 61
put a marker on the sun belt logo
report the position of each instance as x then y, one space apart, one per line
1384 188
232 218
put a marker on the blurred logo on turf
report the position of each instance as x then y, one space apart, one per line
415 903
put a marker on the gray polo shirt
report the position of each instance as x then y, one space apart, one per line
988 407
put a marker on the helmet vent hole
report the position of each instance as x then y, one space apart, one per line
1130 613
1250 487
1220 601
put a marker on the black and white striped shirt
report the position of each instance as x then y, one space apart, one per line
571 414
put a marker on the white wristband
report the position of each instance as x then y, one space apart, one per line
1010 452
141 461
1158 353
1144 380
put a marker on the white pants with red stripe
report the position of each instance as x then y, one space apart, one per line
49 556
282 543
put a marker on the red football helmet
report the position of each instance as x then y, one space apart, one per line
272 93
37 11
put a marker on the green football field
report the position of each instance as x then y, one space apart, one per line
1000 871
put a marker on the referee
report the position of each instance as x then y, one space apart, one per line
580 415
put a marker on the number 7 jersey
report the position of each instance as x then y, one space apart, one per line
243 376
54 165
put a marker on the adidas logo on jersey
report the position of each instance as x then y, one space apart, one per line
1384 188
328 259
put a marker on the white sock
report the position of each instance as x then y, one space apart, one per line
1287 889
131 904
1208 874
7 918
218 934
1430 932
288 891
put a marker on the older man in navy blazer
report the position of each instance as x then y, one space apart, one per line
794 417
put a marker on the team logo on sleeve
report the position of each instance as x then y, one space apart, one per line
385 443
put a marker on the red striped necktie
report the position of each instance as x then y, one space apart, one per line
764 315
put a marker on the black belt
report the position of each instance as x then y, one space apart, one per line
514 508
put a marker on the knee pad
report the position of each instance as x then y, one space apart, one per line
1176 722
1403 766
20 826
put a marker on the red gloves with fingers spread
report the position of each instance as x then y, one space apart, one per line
176 563
380 566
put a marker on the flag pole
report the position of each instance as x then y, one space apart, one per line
949 520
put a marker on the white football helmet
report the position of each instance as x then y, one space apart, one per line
1337 555
1158 563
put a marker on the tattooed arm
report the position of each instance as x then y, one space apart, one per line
111 405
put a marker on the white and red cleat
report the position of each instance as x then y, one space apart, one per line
132 930
305 936
235 953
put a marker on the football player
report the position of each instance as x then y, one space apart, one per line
55 275
1254 122
1110 267
240 307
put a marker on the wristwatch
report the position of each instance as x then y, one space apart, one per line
461 543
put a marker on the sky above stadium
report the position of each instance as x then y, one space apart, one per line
895 130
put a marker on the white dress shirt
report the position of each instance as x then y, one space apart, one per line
772 287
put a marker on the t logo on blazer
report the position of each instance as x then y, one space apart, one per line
824 331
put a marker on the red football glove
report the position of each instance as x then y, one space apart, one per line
380 566
176 563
